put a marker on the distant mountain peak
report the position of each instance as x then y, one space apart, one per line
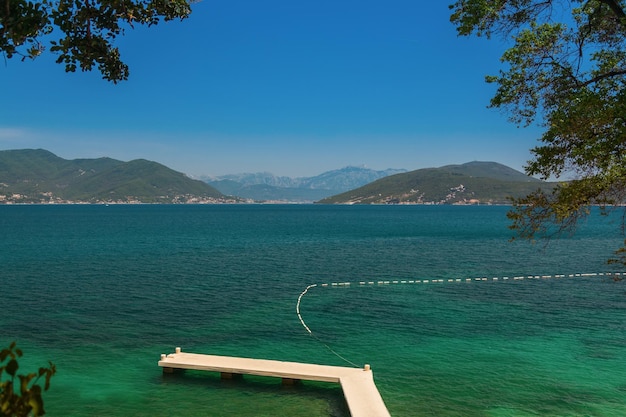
265 186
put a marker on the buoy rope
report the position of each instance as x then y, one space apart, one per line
298 308
315 336
616 276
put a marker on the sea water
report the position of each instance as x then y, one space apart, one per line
102 291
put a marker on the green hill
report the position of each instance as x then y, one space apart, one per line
471 183
39 176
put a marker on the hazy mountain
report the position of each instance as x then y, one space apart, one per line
471 183
347 178
31 175
264 178
266 186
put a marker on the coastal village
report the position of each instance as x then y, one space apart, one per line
49 198
412 198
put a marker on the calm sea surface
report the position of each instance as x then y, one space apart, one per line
103 291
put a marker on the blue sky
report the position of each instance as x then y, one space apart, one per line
295 88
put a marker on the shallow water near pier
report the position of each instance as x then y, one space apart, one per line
103 291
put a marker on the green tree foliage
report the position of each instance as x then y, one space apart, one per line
87 29
566 71
27 401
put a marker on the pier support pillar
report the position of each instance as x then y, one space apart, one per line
230 375
291 381
167 370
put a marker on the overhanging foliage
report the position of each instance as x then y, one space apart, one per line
80 32
566 71
27 399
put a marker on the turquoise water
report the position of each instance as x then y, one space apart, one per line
103 291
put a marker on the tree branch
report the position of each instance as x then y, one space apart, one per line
603 76
615 7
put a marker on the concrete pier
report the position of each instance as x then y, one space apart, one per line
358 386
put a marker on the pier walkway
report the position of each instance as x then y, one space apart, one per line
358 386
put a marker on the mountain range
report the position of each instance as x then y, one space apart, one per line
265 186
39 176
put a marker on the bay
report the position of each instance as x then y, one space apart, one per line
102 291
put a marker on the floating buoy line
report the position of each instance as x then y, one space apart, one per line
315 336
616 276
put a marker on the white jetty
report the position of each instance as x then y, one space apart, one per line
358 386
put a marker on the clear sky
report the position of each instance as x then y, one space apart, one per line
292 87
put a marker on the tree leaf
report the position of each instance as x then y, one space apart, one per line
12 367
